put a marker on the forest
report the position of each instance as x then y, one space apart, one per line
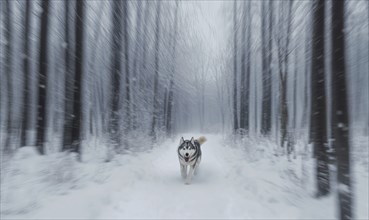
95 97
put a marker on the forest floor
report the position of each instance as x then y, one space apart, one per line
231 183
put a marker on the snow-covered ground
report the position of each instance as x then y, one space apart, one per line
247 183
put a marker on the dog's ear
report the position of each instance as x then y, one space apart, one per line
192 141
181 141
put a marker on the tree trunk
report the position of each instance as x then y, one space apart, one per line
78 76
245 69
69 81
284 112
155 115
116 75
42 79
248 68
270 60
165 104
266 63
318 100
127 102
341 114
169 125
235 116
284 105
145 33
294 118
305 116
8 70
26 77
135 68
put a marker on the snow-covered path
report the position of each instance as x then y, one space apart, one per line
216 192
149 185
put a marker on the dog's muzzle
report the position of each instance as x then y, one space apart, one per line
187 157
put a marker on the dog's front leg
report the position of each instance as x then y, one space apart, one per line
197 164
190 174
183 171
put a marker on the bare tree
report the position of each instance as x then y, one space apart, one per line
340 126
283 44
235 113
307 51
318 127
135 68
145 33
266 69
8 70
245 67
69 81
42 76
155 115
78 76
169 120
116 74
127 97
26 76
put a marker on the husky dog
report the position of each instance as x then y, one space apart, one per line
189 154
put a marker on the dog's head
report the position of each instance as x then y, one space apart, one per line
186 148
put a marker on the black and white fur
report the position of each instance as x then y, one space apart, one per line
189 154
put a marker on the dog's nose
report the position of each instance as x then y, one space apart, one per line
186 154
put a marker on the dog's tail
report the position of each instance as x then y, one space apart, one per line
201 140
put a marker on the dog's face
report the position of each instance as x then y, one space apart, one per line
186 148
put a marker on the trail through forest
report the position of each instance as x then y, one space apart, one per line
95 95
220 190
232 183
